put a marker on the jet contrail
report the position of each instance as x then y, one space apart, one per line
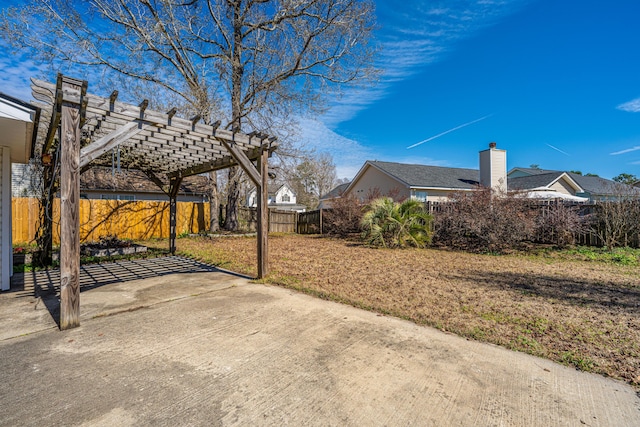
448 131
628 150
559 150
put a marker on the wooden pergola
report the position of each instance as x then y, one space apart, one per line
165 147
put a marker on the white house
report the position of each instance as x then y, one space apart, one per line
281 197
18 126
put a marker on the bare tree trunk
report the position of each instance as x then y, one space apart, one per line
233 194
237 72
214 218
44 234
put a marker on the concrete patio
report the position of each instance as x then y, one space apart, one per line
171 341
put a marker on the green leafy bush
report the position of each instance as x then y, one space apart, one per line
390 224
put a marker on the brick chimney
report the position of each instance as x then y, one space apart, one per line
493 168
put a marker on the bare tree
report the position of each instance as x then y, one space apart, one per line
617 219
253 61
311 178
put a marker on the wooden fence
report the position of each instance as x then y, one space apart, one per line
283 221
310 222
124 219
150 219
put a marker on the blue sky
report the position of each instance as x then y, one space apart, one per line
558 80
555 83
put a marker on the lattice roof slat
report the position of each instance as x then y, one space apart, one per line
162 142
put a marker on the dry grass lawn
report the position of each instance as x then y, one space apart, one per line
585 314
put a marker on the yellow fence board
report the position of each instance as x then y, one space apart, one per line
123 219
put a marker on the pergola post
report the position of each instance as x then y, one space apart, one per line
70 207
263 214
177 148
174 186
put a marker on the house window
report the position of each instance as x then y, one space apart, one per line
286 198
420 196
130 197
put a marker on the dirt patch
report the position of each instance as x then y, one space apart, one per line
579 313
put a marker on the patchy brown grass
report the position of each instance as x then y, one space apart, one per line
585 314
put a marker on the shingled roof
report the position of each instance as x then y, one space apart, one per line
533 181
336 191
590 184
423 176
595 184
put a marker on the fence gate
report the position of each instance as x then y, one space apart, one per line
282 221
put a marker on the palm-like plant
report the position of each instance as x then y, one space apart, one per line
391 224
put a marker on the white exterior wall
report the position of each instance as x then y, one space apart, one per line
493 169
285 191
6 250
561 186
372 179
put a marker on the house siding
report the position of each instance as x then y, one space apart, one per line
5 219
21 180
493 169
372 179
285 191
563 187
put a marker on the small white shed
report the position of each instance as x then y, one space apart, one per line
18 120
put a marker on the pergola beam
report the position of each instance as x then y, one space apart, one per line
108 142
243 161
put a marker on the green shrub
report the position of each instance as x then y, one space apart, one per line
390 224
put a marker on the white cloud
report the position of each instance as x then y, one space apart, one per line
348 154
16 73
422 160
632 106
628 150
414 35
